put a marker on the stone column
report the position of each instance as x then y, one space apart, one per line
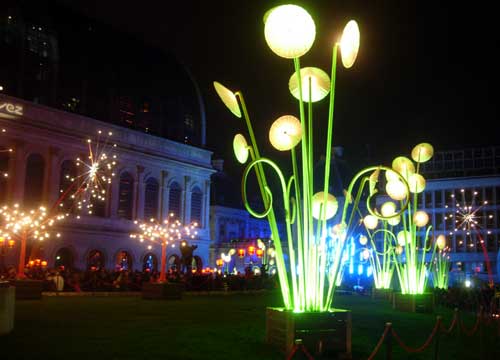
205 215
113 196
53 171
17 172
162 214
138 212
186 201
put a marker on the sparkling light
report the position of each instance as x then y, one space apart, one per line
96 174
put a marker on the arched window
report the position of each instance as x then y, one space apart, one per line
67 185
174 263
151 199
124 261
96 260
197 264
64 258
33 183
196 205
4 167
174 199
126 196
150 262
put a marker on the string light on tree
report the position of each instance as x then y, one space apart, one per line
24 225
165 233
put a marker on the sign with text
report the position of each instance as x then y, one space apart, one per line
10 110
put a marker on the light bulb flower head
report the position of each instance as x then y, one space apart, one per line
320 84
285 133
240 148
349 44
422 152
228 98
318 206
289 31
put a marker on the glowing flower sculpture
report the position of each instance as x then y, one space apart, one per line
441 265
95 175
165 233
308 273
25 225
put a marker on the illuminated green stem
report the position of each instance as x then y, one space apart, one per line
261 179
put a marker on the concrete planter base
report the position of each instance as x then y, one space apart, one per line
382 294
165 291
323 334
7 308
423 303
27 289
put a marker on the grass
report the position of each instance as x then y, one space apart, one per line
206 327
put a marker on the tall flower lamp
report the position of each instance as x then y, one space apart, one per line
308 272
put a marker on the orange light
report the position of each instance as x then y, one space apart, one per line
11 243
259 253
251 250
219 262
32 263
2 240
44 263
241 253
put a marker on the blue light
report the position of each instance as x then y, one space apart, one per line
360 269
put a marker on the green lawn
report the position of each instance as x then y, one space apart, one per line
202 327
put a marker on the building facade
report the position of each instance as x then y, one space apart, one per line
153 177
465 183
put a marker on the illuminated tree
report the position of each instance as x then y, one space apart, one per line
165 233
25 225
441 265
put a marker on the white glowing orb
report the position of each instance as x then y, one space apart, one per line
420 218
388 209
289 31
403 237
396 190
441 242
370 222
318 206
394 220
285 133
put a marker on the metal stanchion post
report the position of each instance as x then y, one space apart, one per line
438 336
388 342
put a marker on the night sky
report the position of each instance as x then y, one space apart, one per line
425 71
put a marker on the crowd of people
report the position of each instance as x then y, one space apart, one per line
94 279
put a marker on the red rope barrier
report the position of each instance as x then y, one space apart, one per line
474 328
421 348
379 344
453 323
302 348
